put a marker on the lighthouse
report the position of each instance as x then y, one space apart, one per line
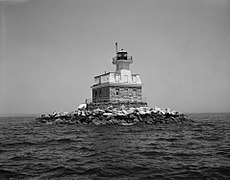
120 86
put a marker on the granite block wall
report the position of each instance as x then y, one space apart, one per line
125 94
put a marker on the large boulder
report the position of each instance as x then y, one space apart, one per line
106 114
136 120
96 121
58 121
132 116
148 119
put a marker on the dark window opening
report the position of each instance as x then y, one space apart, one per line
126 92
117 92
135 93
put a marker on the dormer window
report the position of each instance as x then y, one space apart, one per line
126 78
117 78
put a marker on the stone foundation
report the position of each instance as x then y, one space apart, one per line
132 116
105 105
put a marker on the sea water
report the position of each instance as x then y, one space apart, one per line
199 150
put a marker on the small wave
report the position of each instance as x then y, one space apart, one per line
93 171
56 172
188 154
221 172
86 149
63 140
38 143
73 160
1 150
61 171
22 158
152 153
58 141
167 139
24 143
7 174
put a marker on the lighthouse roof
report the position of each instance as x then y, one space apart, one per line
122 51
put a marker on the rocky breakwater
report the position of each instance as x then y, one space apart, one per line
120 116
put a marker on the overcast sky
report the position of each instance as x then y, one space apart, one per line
52 49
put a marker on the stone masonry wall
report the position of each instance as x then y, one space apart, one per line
105 105
125 94
101 94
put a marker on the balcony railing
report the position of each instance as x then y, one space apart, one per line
129 59
107 78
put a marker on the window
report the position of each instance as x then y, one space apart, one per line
100 93
126 92
134 93
117 92
126 78
134 79
116 77
95 93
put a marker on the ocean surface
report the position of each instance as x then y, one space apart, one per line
199 150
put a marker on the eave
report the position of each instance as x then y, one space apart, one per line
107 84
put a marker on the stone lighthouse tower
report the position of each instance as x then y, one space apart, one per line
120 86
